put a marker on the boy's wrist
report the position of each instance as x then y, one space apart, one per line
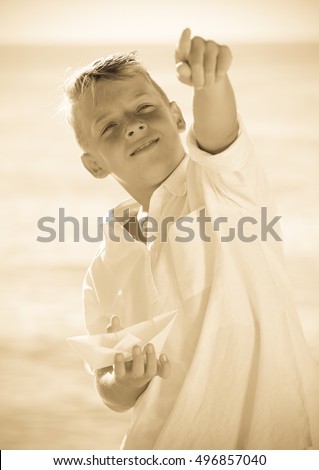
212 88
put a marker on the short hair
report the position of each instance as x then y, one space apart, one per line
113 67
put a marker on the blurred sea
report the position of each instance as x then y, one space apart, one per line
47 398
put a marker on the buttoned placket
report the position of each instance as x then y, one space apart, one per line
155 212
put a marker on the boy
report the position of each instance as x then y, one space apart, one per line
236 373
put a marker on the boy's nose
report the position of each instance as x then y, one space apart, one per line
134 127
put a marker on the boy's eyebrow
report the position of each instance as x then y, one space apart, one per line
100 118
141 93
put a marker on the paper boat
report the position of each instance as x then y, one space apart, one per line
98 351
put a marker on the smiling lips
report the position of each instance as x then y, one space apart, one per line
144 146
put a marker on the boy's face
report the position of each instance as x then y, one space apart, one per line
130 132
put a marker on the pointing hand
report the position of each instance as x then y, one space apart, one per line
201 63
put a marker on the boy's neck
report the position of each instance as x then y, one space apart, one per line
144 194
143 197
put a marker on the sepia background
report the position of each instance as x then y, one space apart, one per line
47 398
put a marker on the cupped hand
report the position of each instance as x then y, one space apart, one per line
142 368
144 363
130 378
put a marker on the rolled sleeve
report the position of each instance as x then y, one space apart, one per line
234 175
231 159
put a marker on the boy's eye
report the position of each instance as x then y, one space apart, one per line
108 127
145 106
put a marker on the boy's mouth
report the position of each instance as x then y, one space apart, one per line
144 146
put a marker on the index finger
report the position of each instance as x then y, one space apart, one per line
184 46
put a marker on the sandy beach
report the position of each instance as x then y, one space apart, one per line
47 397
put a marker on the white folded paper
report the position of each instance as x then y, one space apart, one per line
98 351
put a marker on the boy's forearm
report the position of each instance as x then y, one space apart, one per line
215 116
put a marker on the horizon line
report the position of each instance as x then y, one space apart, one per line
152 43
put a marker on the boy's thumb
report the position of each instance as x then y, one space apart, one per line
114 325
183 70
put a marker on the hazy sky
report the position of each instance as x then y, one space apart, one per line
43 21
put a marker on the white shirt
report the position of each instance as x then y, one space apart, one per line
242 376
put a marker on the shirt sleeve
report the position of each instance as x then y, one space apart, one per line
234 175
94 287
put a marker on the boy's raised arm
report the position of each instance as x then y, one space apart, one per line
203 65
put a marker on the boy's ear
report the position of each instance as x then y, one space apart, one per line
91 165
178 116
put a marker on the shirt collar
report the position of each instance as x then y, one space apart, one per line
175 184
123 211
176 181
